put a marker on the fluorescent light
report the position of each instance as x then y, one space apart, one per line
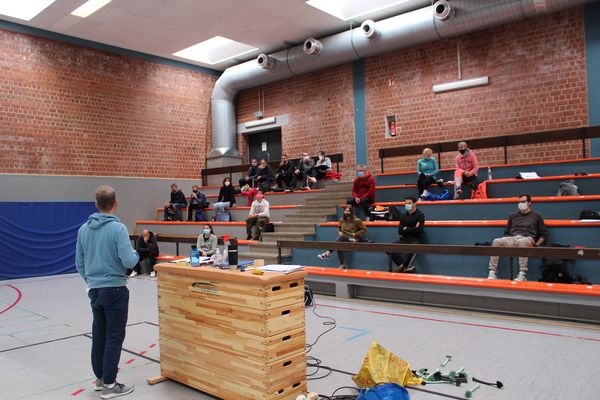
464 84
215 50
23 9
89 7
351 9
264 121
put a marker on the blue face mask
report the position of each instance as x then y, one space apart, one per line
207 231
408 207
360 174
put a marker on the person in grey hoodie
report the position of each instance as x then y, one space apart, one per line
102 257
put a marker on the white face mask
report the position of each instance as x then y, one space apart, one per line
408 207
522 206
227 183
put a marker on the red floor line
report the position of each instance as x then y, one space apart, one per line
142 352
77 392
19 297
503 328
152 345
130 360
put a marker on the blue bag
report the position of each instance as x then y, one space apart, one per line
445 195
387 391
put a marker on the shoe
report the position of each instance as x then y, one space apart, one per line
521 277
342 266
153 274
133 274
424 194
118 390
249 237
367 219
99 384
492 274
408 270
440 182
324 256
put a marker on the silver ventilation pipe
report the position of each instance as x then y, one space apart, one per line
444 19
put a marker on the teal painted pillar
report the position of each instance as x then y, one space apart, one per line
592 50
360 113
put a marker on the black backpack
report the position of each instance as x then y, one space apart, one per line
380 213
589 214
555 271
308 296
268 228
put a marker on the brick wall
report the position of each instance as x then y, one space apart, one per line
538 82
72 110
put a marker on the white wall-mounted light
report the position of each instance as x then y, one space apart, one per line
89 7
264 121
463 84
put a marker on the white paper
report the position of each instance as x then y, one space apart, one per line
529 175
286 269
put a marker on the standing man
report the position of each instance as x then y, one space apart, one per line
525 228
363 190
410 230
258 216
466 169
175 204
103 255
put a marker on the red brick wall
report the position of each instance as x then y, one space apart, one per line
321 108
71 110
538 82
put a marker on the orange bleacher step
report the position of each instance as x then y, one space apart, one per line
498 200
549 223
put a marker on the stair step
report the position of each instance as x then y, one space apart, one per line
275 236
304 227
311 214
312 220
318 208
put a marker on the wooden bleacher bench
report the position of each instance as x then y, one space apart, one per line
177 239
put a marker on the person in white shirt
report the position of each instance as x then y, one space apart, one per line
259 216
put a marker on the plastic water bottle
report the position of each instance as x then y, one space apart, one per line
489 174
194 256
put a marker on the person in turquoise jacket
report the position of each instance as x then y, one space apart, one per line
427 169
102 257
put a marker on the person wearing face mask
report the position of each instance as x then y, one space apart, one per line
250 175
427 168
198 202
226 198
207 241
322 166
525 228
466 169
284 174
363 190
411 231
350 229
304 170
147 247
258 216
175 204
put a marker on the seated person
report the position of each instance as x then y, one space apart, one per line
410 230
258 216
147 247
226 197
525 228
285 172
175 204
265 176
322 166
427 169
304 170
466 169
349 229
363 190
207 241
250 175
198 202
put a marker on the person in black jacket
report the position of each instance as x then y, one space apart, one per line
265 176
285 172
411 231
198 202
250 175
147 247
174 206
226 197
304 171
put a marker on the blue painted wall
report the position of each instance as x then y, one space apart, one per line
360 114
592 49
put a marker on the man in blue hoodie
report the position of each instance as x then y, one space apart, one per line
103 255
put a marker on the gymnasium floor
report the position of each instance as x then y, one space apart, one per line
45 344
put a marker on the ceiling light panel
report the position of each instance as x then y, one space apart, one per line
351 9
89 7
23 9
215 50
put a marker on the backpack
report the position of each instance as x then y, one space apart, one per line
480 192
555 271
381 213
308 296
567 188
445 195
589 214
268 228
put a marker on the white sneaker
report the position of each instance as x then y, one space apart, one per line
133 274
324 256
425 193
492 274
521 277
153 274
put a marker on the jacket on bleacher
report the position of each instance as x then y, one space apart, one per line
364 187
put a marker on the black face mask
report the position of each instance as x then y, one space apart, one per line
195 191
463 151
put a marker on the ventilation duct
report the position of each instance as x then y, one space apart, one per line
401 31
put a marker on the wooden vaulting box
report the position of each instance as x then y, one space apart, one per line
234 335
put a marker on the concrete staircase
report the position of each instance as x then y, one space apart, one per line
321 207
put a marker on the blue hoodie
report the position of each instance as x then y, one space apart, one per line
104 252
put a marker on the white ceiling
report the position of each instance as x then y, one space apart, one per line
163 27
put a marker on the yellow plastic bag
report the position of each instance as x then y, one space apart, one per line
381 366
